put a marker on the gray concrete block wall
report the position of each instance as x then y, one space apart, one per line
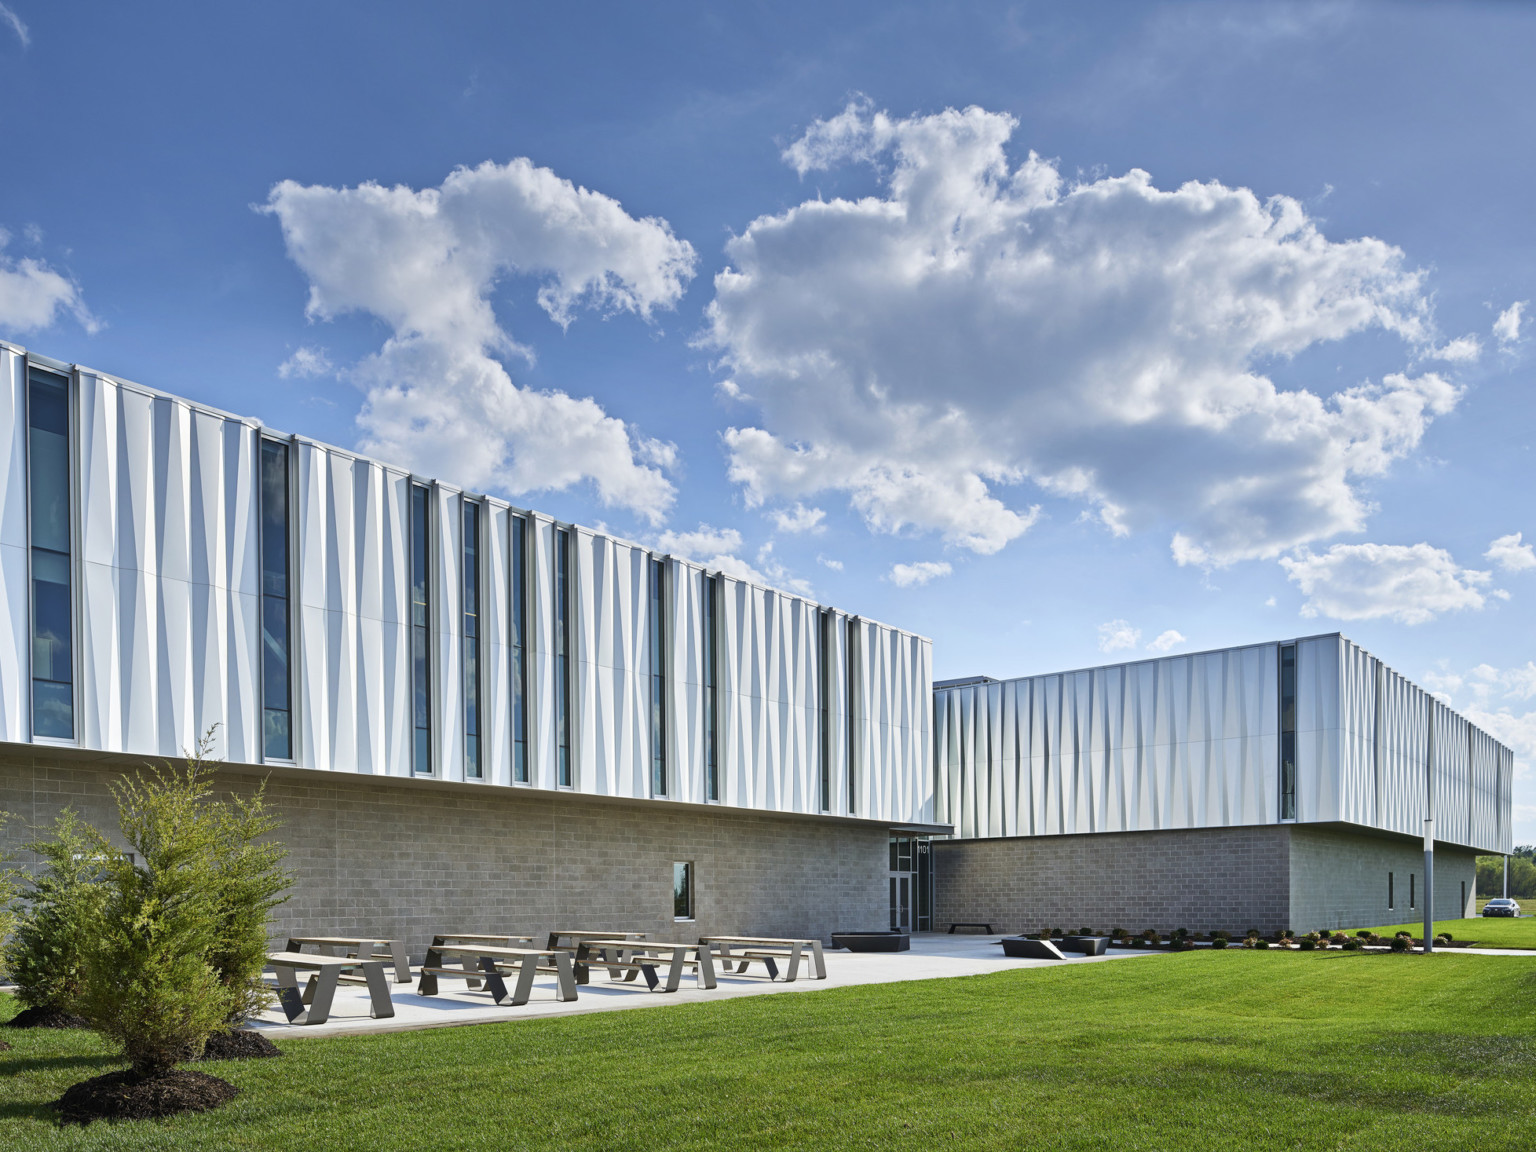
407 859
1202 879
1339 879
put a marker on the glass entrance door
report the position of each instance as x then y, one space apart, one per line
911 884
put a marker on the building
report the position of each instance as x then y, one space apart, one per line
469 714
1275 785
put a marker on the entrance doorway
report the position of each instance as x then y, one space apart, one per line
911 881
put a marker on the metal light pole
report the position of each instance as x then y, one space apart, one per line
1429 885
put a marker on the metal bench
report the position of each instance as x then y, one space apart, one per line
643 958
328 970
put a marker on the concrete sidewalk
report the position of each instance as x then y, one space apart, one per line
933 956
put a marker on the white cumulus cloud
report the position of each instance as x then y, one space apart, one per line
1166 641
798 519
719 549
32 294
1116 635
1510 555
305 364
426 263
1409 583
1462 350
919 573
979 324
1506 329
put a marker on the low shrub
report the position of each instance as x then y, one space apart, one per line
1365 934
1085 931
1057 932
1402 935
1350 945
1307 944
1401 943
1447 935
1116 933
1218 942
1258 942
1339 938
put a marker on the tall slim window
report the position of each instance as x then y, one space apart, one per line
276 682
1412 894
519 598
421 630
682 889
563 657
658 590
824 686
1391 902
1288 732
53 695
471 562
711 690
852 712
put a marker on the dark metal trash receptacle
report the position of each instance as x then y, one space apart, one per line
1028 948
1087 945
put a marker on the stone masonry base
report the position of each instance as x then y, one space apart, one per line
408 859
1269 877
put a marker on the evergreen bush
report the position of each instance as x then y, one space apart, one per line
1219 942
1401 943
55 915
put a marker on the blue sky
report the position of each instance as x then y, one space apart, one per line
1060 334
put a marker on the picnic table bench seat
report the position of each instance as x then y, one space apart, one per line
328 971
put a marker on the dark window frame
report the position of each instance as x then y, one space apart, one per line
276 599
1287 727
517 598
565 775
684 906
471 524
711 686
420 560
656 597
45 691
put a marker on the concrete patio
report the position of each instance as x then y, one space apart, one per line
933 956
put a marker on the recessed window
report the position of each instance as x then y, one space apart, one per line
1391 901
658 600
276 678
852 715
824 692
519 614
1288 732
563 774
1412 895
711 691
48 495
471 565
421 632
682 890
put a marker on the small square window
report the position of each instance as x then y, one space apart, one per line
682 890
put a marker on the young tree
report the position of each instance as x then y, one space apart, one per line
179 941
57 909
9 888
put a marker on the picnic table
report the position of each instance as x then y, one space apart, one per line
494 962
495 939
328 970
360 947
768 949
576 937
643 958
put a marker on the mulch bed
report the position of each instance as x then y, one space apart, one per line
46 1017
241 1044
126 1096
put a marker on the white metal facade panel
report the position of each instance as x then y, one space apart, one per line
169 645
15 629
1193 742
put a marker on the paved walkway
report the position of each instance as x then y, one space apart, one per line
933 956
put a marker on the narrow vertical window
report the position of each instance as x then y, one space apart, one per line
1288 732
682 890
471 562
562 657
519 601
421 631
1412 901
658 590
1391 900
853 706
824 687
53 694
276 681
711 690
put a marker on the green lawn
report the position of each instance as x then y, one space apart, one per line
1487 931
1195 1050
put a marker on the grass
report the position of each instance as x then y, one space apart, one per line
1254 1049
1487 931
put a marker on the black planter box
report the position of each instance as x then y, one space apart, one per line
1087 945
872 941
1028 948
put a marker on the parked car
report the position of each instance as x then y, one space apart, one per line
1501 907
